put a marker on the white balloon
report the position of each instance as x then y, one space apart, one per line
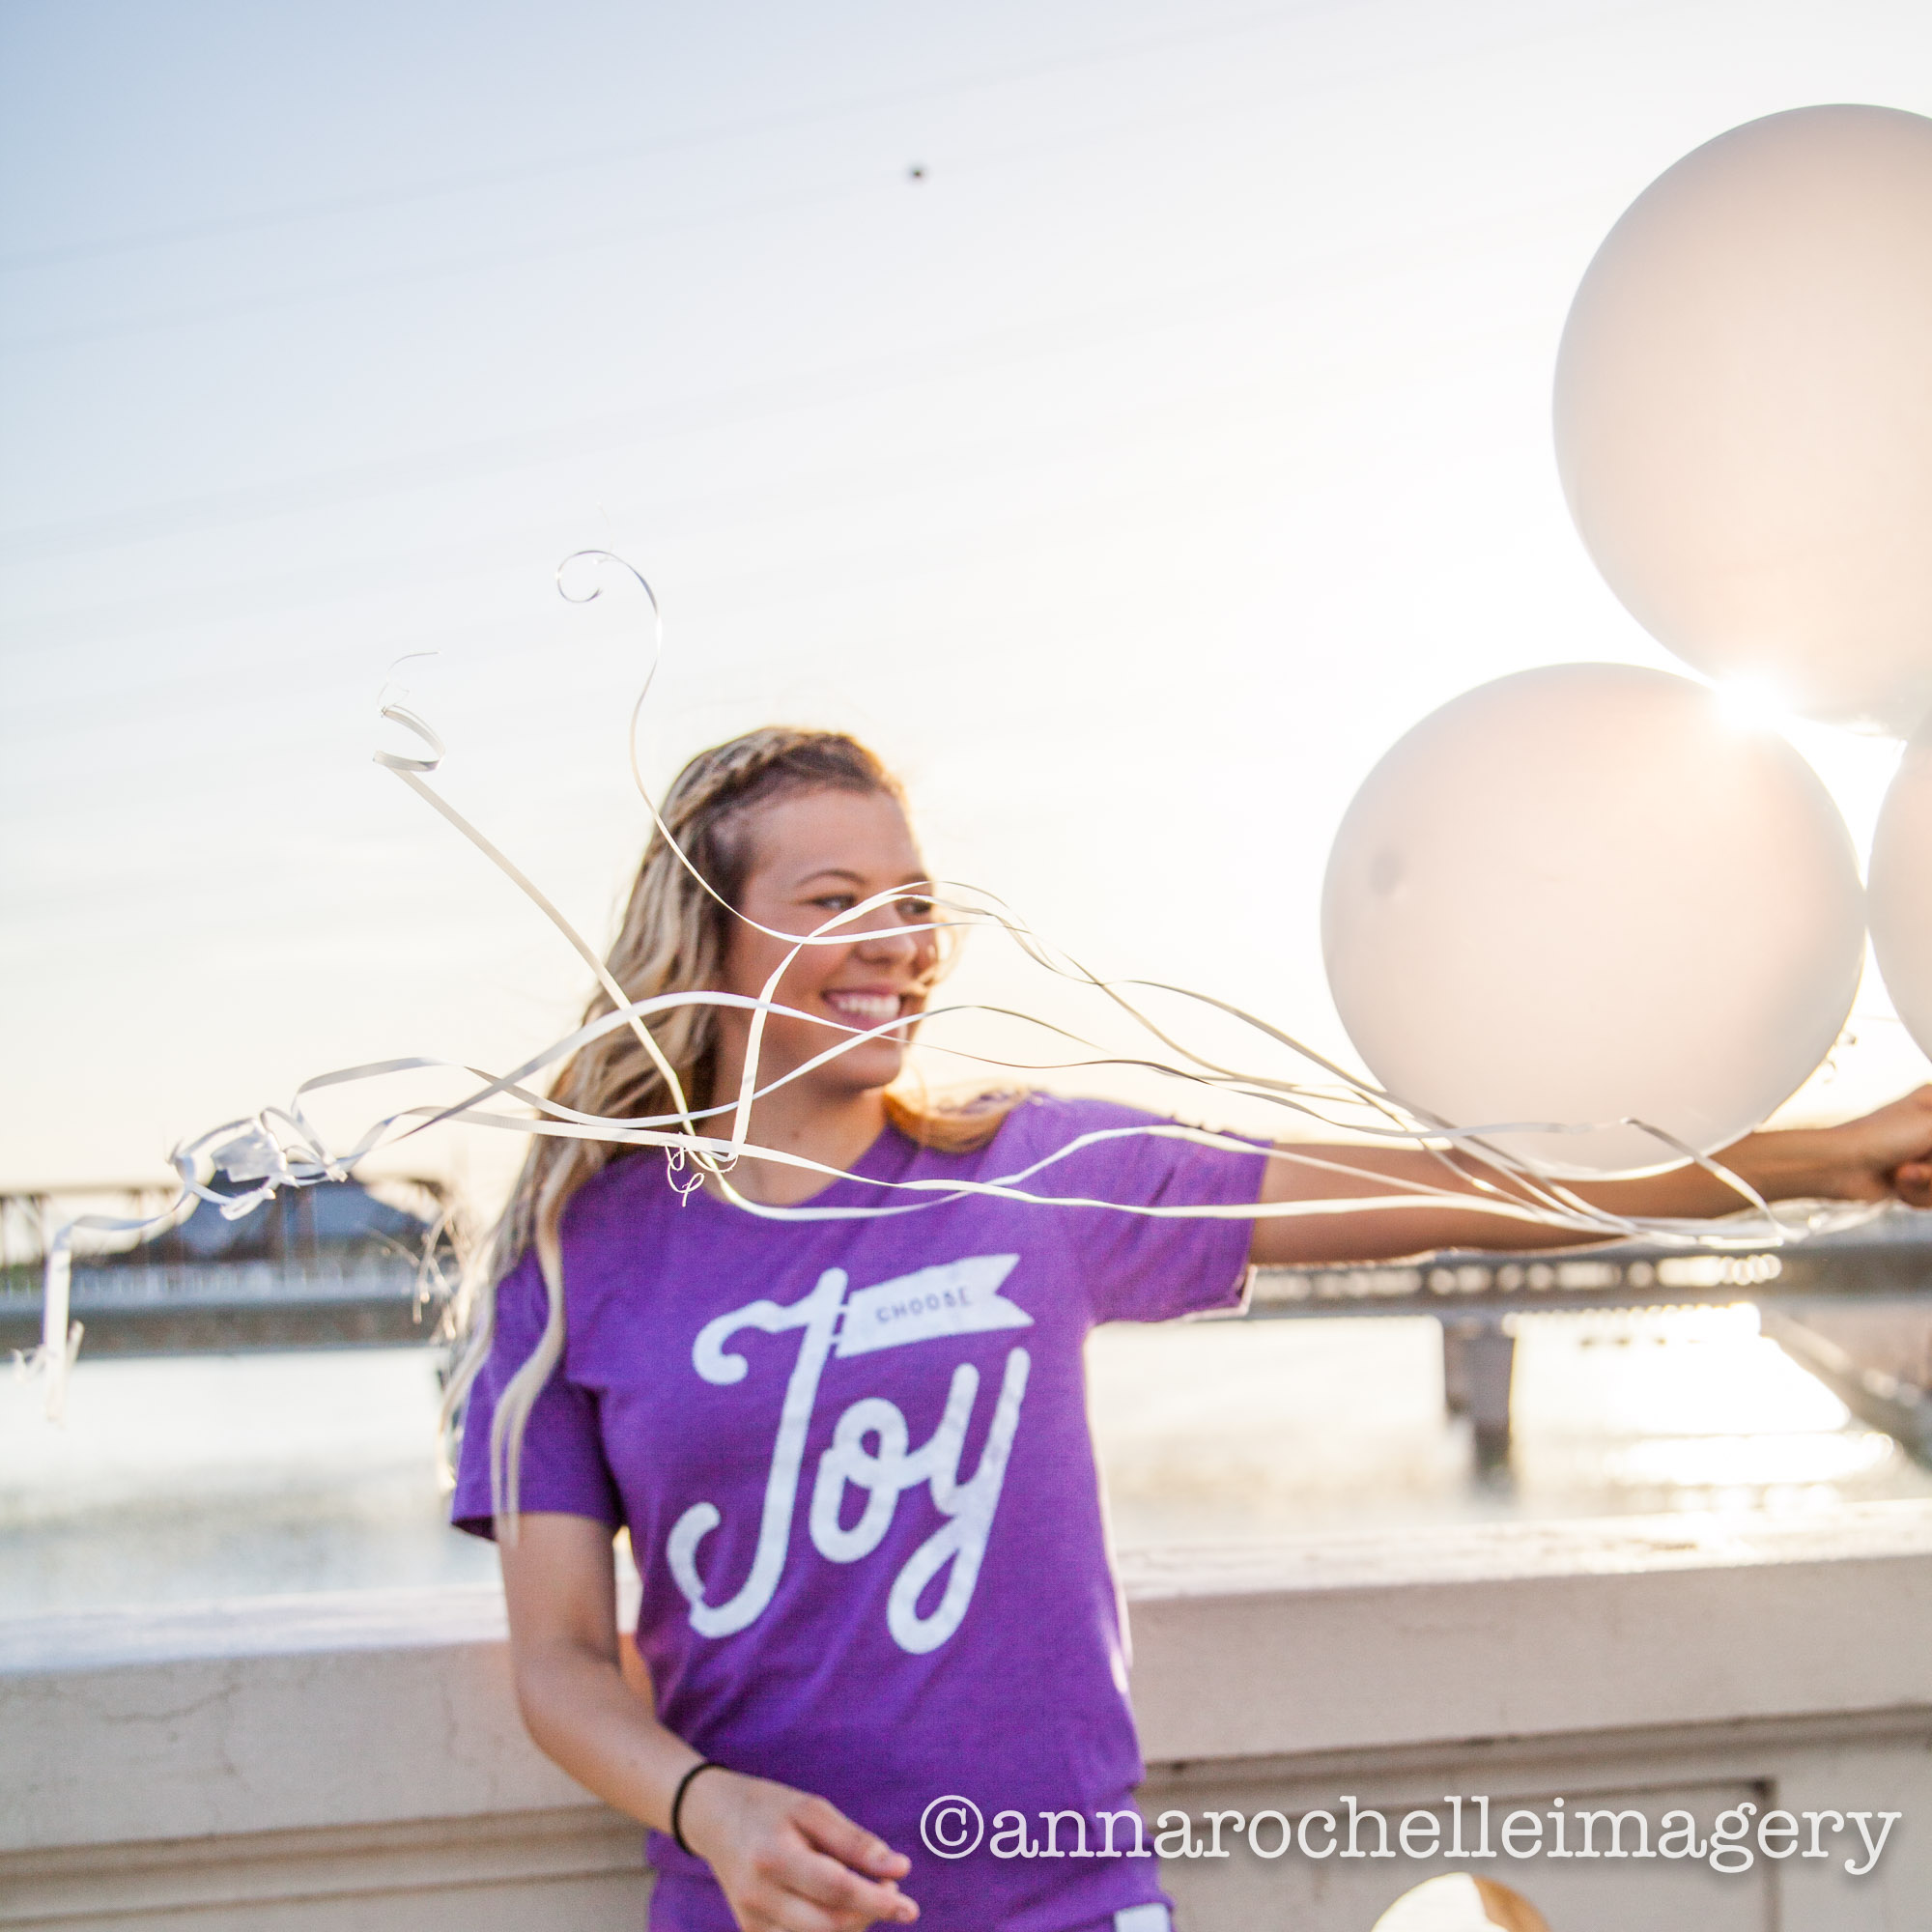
1456 1902
1743 410
1583 895
1900 898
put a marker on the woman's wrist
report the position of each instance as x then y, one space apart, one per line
692 1772
1789 1164
703 1808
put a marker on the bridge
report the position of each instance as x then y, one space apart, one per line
348 1266
342 1264
1853 1307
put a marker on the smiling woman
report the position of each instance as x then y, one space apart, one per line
710 910
850 1445
832 832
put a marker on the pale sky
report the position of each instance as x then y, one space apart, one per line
1132 477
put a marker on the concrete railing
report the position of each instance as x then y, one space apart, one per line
357 1761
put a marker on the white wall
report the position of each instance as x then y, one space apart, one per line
357 1762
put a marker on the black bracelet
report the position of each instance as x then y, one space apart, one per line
677 1803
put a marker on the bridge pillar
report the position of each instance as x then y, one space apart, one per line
1478 1367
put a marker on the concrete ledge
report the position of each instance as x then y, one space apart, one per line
354 1869
1532 1630
308 1764
270 1737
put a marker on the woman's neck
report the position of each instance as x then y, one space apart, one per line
834 1131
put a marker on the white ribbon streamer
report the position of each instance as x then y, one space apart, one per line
280 1147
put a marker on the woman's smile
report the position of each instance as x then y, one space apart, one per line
865 1006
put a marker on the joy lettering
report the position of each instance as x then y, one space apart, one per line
870 1450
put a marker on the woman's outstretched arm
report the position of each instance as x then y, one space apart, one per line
1880 1156
787 1861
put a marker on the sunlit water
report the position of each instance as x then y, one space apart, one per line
211 1476
226 1475
1220 1431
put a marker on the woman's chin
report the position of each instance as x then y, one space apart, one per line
868 1069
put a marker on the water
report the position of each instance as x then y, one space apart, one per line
211 1476
1218 1431
193 1477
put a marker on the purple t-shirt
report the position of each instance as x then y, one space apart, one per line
854 1460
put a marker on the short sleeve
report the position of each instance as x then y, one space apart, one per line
1150 1268
563 1467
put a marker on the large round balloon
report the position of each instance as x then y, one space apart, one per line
1581 896
1743 410
1900 898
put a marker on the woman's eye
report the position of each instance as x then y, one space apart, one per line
836 901
912 909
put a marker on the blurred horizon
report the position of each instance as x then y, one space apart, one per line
200 1478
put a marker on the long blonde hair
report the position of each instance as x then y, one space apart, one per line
673 938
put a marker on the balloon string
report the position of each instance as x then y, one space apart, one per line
280 1147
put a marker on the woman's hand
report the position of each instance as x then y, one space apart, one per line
792 1863
787 1861
1879 1156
